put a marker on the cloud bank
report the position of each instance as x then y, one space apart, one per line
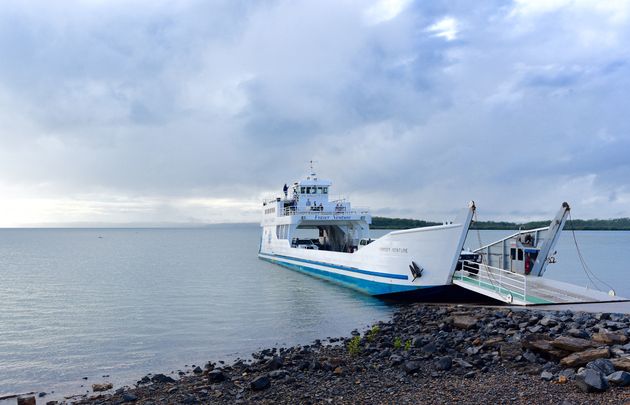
170 111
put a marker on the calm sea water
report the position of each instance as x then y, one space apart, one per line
125 302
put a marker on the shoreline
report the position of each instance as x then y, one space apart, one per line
425 353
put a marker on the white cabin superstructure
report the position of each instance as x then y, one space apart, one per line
306 205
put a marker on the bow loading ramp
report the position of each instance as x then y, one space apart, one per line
518 289
511 269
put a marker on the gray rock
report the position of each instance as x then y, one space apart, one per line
572 344
275 374
103 387
417 341
604 366
548 321
462 363
464 322
589 380
531 357
197 370
510 351
144 380
161 378
444 363
275 363
578 333
129 397
429 348
620 378
546 376
615 325
569 373
395 359
260 383
472 350
26 401
216 376
411 367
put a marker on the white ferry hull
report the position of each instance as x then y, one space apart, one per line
382 267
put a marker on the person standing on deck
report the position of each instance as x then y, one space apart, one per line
286 190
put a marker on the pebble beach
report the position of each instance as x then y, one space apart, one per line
438 354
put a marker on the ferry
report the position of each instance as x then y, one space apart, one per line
304 229
342 249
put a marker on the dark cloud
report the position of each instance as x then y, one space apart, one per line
413 111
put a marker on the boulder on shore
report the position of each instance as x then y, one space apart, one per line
609 338
589 380
541 344
509 351
216 376
620 378
26 401
464 321
161 378
621 363
571 344
604 366
444 363
411 367
260 383
582 358
102 387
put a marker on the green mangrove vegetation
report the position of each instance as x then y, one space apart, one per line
615 224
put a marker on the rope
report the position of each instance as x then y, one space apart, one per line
585 267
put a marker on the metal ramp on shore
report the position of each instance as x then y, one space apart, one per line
518 289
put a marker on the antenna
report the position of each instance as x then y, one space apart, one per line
312 163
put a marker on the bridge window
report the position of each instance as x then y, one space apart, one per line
325 190
302 190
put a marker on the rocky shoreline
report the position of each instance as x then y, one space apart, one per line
438 354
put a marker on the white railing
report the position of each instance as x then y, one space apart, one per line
355 211
509 285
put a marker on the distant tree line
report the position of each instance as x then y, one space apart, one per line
616 224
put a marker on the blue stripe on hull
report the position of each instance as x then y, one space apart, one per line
346 268
365 286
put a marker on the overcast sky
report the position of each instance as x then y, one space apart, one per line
119 111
